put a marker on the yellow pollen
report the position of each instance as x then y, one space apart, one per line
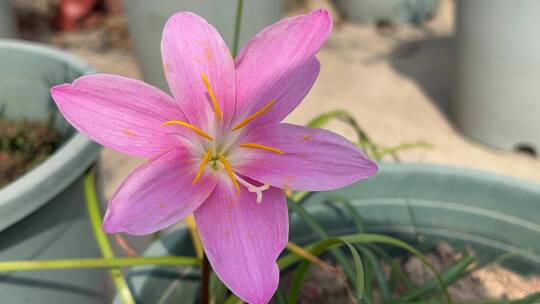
203 164
254 115
212 96
230 173
262 147
190 126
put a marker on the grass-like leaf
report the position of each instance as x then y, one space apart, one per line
323 245
317 228
378 273
448 276
94 214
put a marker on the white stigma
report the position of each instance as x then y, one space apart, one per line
252 188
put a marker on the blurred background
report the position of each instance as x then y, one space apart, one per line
448 82
391 64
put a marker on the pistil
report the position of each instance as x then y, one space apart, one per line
252 188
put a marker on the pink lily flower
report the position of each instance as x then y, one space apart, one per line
218 149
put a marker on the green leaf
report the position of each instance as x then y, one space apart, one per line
323 245
317 228
102 240
378 273
115 262
448 276
357 219
383 239
368 284
324 118
279 297
218 291
233 299
396 270
367 238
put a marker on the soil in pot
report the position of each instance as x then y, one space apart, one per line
24 145
482 282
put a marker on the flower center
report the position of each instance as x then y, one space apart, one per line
216 158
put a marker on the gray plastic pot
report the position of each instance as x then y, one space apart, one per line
413 11
488 213
496 95
7 20
147 18
42 213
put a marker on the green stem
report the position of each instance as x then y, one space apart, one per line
103 243
15 266
237 26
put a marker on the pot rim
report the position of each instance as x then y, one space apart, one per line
37 186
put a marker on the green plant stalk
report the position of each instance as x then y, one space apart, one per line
405 146
17 266
317 228
357 219
383 239
323 245
395 267
103 243
378 273
450 275
237 27
368 283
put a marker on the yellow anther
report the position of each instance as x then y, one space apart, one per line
212 95
190 126
230 173
262 147
255 115
203 164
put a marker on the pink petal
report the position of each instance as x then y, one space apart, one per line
158 194
190 46
121 113
243 239
279 64
313 159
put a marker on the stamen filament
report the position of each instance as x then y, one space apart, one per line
203 164
254 115
190 126
212 95
230 173
262 147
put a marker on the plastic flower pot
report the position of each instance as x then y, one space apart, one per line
147 18
42 213
497 64
488 213
388 10
7 20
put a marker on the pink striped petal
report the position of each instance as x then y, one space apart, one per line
279 64
190 47
158 194
313 159
120 113
243 239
